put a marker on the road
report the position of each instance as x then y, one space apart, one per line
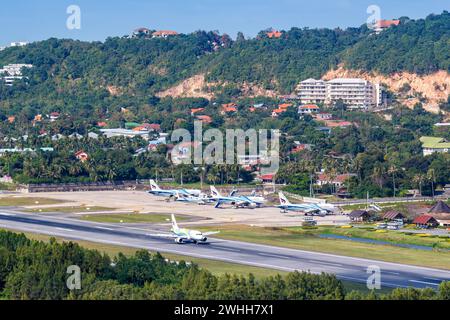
346 268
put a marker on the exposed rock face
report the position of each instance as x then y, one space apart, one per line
194 87
114 91
434 88
198 87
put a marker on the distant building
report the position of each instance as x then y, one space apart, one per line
393 215
308 109
359 216
141 32
382 25
426 221
323 116
12 72
82 156
338 180
164 33
274 34
432 145
118 132
355 93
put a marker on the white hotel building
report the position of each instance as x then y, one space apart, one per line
355 93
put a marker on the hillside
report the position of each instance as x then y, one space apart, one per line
120 72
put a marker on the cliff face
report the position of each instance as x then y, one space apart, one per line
198 87
433 88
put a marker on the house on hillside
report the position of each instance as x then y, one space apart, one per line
308 109
164 34
338 181
382 25
432 145
141 32
82 156
228 108
274 34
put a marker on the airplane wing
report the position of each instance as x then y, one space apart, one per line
210 233
167 235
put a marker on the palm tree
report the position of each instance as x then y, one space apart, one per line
431 175
392 170
419 178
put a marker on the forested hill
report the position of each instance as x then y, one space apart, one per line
87 73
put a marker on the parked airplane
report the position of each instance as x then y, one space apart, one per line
181 235
157 191
201 200
235 201
253 197
307 208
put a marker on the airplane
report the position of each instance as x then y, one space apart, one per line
181 235
157 191
235 201
307 208
201 200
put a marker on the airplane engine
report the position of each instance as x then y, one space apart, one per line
179 241
253 205
204 239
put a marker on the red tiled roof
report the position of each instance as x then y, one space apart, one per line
194 111
269 176
277 111
229 107
285 105
298 148
341 178
424 219
165 33
387 23
274 34
102 124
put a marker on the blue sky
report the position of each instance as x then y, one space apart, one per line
31 20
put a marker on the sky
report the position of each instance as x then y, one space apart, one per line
32 20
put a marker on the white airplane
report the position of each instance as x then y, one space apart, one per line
201 200
181 235
307 208
235 201
157 191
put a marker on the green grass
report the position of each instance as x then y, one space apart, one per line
12 201
130 218
69 209
398 206
369 232
307 240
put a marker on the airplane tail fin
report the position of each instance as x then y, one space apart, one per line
214 192
233 192
174 223
154 185
283 199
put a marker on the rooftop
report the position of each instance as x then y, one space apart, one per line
434 143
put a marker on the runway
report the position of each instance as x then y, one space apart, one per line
345 268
